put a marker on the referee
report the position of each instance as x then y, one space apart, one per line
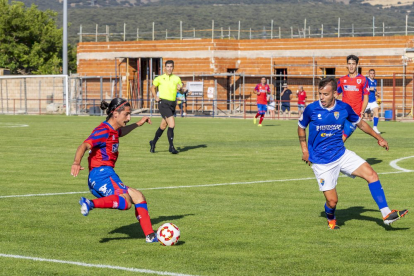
167 84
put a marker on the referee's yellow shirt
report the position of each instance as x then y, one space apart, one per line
167 86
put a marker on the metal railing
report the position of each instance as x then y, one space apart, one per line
268 32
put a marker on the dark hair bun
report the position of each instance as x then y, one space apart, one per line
104 105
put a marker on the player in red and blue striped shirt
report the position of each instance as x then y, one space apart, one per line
262 90
103 182
355 91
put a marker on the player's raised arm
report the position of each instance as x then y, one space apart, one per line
368 130
76 167
127 129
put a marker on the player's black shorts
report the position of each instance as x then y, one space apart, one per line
167 108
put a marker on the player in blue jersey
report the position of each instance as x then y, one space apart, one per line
328 156
372 106
103 182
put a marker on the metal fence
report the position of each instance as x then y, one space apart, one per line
103 33
32 94
223 95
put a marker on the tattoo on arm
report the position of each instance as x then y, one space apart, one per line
302 138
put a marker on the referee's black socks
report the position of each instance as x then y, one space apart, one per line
158 134
170 134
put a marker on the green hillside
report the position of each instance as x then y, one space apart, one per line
199 14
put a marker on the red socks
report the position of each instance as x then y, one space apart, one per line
257 115
261 119
112 201
141 212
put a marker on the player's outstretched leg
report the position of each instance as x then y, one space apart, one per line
108 202
142 215
365 171
86 206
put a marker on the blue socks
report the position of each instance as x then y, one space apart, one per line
378 194
375 121
330 212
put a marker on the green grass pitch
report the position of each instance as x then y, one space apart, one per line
265 219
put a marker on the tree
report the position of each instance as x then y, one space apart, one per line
30 42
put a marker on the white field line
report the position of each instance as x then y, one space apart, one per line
392 164
147 271
12 125
395 166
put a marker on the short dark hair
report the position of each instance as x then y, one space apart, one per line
170 61
328 81
353 57
117 104
373 70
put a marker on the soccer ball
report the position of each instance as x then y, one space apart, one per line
168 234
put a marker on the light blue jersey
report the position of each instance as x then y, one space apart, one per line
325 143
372 83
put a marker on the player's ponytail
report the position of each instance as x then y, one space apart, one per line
117 104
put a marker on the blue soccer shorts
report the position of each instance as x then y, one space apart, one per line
261 108
103 181
349 128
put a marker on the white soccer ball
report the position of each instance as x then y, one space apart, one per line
168 234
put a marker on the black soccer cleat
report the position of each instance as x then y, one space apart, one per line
152 146
173 150
394 215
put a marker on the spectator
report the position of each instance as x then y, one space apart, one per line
301 95
271 105
285 97
185 93
180 102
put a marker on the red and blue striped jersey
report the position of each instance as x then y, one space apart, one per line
262 93
104 142
353 90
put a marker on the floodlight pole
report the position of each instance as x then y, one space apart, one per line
65 52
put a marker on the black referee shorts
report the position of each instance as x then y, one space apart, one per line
167 108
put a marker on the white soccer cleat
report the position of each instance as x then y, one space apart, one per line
376 130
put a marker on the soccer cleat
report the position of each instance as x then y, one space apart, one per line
151 238
332 224
254 120
260 125
394 215
376 130
173 150
86 206
152 146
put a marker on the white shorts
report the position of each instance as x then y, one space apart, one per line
271 106
371 106
327 174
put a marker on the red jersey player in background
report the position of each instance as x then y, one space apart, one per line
262 89
301 95
355 92
103 182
